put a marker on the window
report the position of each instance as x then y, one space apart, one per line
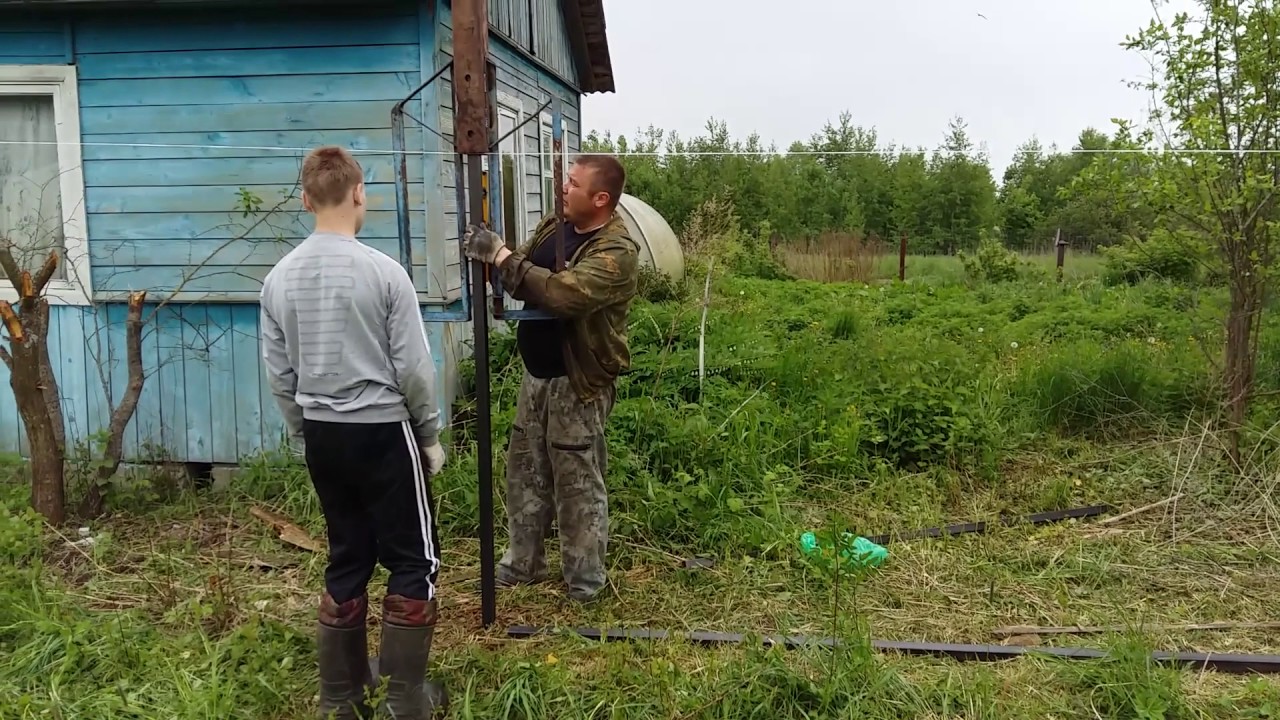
512 172
547 157
41 180
544 161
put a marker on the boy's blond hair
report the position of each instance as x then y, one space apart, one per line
329 174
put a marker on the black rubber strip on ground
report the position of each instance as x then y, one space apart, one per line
1220 662
1043 518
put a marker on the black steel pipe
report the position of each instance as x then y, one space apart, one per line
484 432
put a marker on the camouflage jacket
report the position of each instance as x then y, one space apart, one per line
592 295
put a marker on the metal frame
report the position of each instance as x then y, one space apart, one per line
500 311
1220 662
460 310
475 116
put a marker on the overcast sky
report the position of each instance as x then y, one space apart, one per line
1047 68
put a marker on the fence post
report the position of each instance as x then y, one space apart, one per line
1061 246
902 257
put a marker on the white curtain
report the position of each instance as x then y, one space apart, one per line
30 190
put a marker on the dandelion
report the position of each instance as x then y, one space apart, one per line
980 331
1014 344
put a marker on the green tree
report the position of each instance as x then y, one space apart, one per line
843 178
1218 109
962 193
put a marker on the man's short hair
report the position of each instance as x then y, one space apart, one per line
329 174
609 175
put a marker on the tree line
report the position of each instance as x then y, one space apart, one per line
1195 193
842 180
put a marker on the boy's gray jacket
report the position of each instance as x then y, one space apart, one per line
343 338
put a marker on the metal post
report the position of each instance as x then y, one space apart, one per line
484 430
472 131
902 257
494 219
1061 247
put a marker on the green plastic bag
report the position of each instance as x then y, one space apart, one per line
863 552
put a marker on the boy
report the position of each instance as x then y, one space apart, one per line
347 356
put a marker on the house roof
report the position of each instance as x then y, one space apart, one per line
584 20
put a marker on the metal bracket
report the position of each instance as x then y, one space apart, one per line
401 164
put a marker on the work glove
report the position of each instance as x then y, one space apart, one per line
480 244
433 457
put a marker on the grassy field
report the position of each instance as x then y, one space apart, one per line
877 408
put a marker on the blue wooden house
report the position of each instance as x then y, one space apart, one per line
146 129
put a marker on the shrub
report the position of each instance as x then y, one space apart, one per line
1163 255
657 286
992 263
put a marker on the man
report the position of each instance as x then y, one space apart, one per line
557 457
347 356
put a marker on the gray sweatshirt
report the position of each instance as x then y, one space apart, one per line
343 338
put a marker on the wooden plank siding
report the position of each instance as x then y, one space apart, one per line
205 399
538 28
156 89
27 40
264 87
181 108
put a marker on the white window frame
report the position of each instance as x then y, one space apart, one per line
547 143
60 82
514 109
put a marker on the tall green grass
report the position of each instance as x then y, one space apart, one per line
811 385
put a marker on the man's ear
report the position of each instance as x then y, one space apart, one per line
358 196
306 202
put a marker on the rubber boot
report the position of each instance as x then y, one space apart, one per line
342 644
408 626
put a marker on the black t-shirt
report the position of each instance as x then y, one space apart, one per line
539 341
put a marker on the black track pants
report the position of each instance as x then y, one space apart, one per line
376 497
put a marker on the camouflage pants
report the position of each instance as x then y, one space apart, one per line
556 462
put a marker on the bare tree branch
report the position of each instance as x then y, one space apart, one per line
123 412
11 269
45 274
12 323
